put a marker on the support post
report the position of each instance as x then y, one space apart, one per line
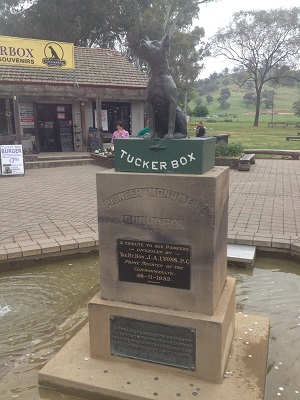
99 120
17 119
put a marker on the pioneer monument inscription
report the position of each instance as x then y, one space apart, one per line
154 263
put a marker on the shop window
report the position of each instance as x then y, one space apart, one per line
115 112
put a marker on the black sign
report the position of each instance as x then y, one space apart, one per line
153 342
153 263
66 135
94 138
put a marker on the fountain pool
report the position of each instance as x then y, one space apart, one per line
43 306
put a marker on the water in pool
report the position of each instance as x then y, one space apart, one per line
43 306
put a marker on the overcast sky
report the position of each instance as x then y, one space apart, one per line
218 14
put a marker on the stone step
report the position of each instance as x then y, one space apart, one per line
65 157
243 254
52 163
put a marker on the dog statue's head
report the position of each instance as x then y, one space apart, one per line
154 51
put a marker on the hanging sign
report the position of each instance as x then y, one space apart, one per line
15 51
104 120
12 162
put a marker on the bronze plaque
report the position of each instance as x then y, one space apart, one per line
153 263
153 342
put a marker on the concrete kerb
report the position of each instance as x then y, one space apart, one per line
61 246
14 254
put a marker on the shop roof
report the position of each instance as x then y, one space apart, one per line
93 67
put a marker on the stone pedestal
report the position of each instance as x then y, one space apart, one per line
164 321
163 238
165 303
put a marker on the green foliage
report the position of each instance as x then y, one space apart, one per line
296 107
225 93
187 50
200 111
229 149
224 96
209 98
249 99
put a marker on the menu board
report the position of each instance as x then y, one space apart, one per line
12 162
66 135
94 139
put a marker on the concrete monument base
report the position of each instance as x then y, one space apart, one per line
72 371
148 336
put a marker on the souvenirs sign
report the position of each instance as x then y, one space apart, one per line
15 51
12 160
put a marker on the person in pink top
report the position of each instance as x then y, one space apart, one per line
120 133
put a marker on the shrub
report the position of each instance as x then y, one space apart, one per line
229 149
200 111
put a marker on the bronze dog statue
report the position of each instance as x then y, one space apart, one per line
166 119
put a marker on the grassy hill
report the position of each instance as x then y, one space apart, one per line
283 99
237 121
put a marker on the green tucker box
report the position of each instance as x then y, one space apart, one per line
176 156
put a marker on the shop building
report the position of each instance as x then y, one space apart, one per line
52 108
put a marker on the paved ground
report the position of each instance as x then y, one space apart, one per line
54 209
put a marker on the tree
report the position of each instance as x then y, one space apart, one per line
225 93
209 98
249 98
185 56
224 96
84 23
200 111
296 107
268 98
120 24
264 44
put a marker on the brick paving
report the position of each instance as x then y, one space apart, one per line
52 210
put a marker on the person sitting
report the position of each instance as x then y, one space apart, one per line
120 133
200 130
144 131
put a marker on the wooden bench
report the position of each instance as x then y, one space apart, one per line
292 153
245 161
293 137
274 124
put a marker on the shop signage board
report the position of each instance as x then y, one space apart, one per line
12 162
104 120
16 51
26 115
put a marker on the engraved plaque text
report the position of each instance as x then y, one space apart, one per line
153 263
153 342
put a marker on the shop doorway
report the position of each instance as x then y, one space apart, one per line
55 127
